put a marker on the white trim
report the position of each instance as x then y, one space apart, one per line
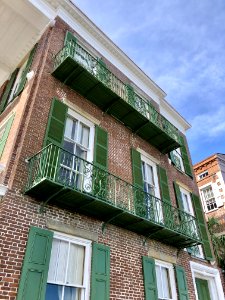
148 156
212 276
80 111
171 276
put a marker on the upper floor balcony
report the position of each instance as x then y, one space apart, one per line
87 75
58 177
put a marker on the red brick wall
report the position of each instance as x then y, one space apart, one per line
19 212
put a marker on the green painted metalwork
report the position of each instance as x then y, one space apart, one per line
81 176
78 54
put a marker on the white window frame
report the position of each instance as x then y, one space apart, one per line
208 185
87 260
171 277
212 276
73 114
183 191
203 175
155 174
177 154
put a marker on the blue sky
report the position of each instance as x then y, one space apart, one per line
181 46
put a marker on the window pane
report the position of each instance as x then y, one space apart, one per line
84 135
72 293
159 282
166 283
81 152
143 170
76 265
61 262
68 129
53 292
150 174
53 260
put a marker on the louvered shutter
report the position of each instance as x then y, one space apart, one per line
149 275
100 176
139 202
8 90
100 272
181 283
202 227
23 78
7 127
34 274
184 154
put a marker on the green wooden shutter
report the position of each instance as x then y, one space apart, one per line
171 156
100 273
70 38
101 161
149 274
35 265
101 148
23 78
139 197
178 195
202 227
56 123
8 90
164 187
184 154
7 127
165 196
181 283
54 134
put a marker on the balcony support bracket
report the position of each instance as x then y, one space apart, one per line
111 219
149 235
43 204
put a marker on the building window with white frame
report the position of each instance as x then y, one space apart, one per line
208 198
69 269
151 187
79 144
165 281
177 159
203 175
197 250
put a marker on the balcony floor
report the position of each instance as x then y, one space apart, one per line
79 79
106 211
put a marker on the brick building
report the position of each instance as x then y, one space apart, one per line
97 195
210 177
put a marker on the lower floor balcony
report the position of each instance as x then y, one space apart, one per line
59 177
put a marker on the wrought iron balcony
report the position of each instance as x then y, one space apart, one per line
58 177
77 68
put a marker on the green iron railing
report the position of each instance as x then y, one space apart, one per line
100 72
62 167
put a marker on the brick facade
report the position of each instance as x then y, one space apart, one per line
18 212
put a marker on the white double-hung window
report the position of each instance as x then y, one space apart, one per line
78 145
208 198
151 187
69 269
165 281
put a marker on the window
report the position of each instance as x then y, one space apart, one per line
165 281
197 250
177 159
203 175
151 186
16 83
78 143
69 269
208 198
207 282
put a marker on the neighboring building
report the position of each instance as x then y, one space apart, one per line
210 177
97 196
